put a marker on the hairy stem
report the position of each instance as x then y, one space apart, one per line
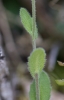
34 46
37 87
33 22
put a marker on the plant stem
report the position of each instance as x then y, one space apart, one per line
33 22
34 46
37 86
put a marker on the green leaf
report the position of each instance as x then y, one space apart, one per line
26 20
36 61
60 82
44 85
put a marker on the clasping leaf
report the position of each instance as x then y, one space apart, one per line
26 20
36 61
44 86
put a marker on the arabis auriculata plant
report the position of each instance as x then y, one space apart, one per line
40 88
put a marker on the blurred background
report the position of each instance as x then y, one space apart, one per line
16 46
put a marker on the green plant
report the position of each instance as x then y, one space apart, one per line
60 81
40 88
